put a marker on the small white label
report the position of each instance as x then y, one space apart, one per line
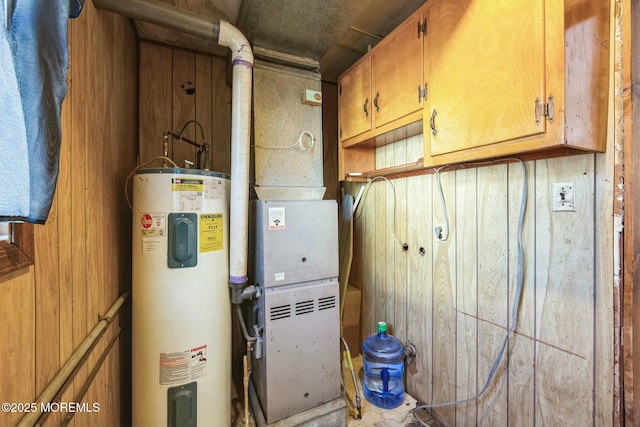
276 219
213 188
279 276
151 245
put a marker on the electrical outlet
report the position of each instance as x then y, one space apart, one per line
440 232
563 196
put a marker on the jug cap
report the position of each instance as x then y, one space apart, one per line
382 327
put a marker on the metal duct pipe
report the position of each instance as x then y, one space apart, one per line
224 34
165 15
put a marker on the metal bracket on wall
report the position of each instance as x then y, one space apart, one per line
544 110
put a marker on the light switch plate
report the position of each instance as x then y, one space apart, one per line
563 196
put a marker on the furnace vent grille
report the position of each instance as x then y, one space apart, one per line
304 307
280 312
327 302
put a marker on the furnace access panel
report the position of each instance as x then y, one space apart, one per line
295 241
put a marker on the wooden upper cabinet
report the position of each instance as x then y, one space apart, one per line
354 100
381 92
503 78
511 77
486 70
396 68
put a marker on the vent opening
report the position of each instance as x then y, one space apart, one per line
326 303
280 312
304 307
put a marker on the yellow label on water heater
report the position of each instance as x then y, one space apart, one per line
187 184
211 232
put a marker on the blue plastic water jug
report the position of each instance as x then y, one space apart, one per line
383 369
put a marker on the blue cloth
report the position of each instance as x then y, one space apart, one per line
38 41
14 159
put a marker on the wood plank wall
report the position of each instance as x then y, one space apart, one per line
177 86
455 302
628 161
82 254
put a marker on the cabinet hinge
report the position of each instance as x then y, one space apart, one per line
341 132
422 93
544 110
422 27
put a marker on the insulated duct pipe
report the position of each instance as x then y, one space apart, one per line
224 34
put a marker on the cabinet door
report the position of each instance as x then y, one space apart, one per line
354 100
486 68
397 73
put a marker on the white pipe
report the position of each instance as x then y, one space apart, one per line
242 60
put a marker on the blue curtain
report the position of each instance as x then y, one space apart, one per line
34 62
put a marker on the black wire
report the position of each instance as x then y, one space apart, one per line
192 121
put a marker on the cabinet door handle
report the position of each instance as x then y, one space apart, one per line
432 122
365 107
375 102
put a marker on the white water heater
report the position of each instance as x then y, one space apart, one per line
181 367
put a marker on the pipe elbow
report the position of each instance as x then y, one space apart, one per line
232 38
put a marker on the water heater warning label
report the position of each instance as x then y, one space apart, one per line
183 366
189 192
187 184
211 232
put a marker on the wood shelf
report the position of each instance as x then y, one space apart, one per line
402 128
418 168
408 169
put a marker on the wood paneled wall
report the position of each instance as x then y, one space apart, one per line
628 162
82 253
455 301
177 86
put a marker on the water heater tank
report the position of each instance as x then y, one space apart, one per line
181 367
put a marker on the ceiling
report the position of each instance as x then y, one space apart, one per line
334 33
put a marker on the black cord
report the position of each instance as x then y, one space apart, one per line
187 124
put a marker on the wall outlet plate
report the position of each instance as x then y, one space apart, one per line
440 232
563 196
